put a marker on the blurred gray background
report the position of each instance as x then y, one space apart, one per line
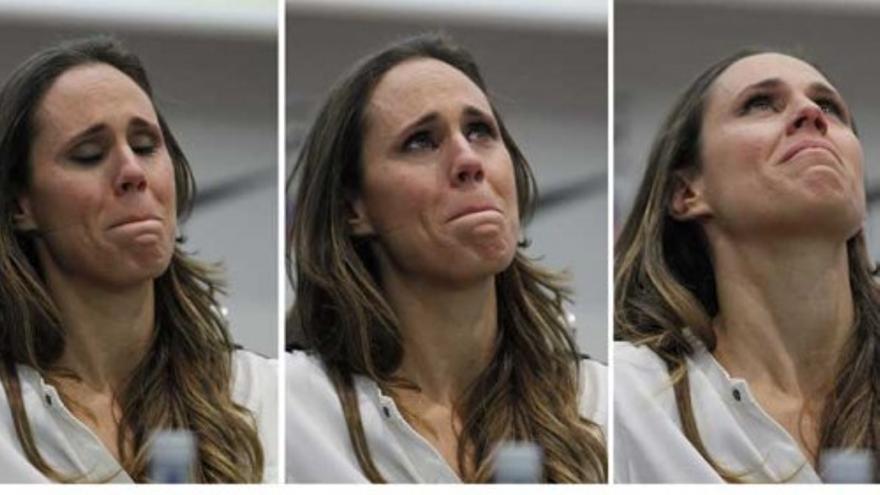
545 63
659 49
213 65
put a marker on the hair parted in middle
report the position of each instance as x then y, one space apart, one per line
664 284
530 390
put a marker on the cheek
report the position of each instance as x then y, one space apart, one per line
397 199
855 155
503 178
508 191
162 184
747 148
65 201
734 156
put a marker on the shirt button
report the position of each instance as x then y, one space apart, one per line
386 411
737 395
48 399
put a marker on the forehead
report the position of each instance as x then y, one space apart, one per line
86 94
415 87
756 68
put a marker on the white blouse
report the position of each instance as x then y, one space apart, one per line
319 449
650 447
72 448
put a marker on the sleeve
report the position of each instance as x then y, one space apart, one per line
14 466
594 393
256 388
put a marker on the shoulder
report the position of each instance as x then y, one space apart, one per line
648 443
14 465
636 359
310 393
317 443
641 380
255 380
302 366
639 370
8 436
255 377
594 392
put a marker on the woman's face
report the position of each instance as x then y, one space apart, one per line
101 198
438 191
778 152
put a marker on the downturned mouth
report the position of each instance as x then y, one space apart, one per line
133 220
806 146
472 210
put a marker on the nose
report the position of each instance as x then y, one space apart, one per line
807 116
130 175
467 165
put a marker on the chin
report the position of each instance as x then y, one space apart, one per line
471 271
141 269
840 217
497 262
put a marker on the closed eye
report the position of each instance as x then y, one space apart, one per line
144 144
87 153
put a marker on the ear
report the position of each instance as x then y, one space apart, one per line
23 218
688 197
358 219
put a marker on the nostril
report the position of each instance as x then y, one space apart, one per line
462 176
478 176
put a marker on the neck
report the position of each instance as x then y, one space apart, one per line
786 311
448 334
107 331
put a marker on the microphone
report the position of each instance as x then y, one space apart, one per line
172 456
519 462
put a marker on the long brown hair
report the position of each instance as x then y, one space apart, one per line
184 381
664 282
530 389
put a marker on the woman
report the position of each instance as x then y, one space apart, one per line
743 288
429 337
109 331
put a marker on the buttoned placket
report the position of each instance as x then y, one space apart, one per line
428 461
762 427
90 455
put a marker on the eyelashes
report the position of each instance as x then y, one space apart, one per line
479 130
828 105
419 141
770 102
93 152
87 154
758 102
429 139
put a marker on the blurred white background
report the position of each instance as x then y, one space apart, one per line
213 65
659 49
545 63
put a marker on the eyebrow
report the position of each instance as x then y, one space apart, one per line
775 82
138 123
469 110
91 131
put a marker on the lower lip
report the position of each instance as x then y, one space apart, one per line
822 151
490 213
136 227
